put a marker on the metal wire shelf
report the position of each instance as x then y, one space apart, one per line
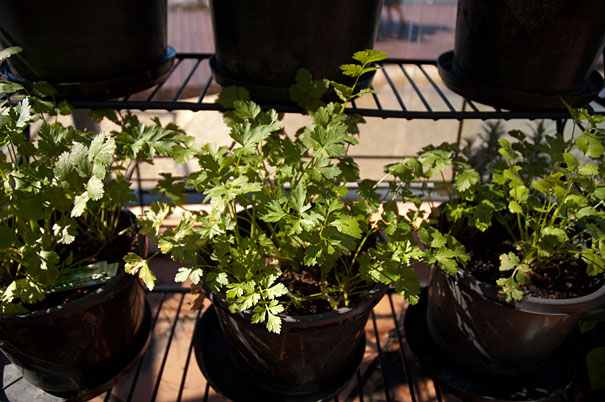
405 88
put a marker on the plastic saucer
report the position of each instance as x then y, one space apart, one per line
549 382
109 88
512 99
215 361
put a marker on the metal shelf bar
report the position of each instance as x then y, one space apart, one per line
186 81
422 99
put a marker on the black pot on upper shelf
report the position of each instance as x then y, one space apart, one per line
262 44
87 48
519 54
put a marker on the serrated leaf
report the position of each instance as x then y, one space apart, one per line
182 275
554 234
369 56
274 212
229 95
80 202
10 87
66 231
135 264
273 323
509 261
10 51
515 208
348 226
352 70
589 170
94 188
276 291
590 145
466 179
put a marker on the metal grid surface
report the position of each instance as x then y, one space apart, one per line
411 89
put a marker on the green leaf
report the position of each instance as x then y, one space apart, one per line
509 261
466 179
554 235
595 364
10 87
94 188
589 170
276 291
273 212
352 70
348 226
135 264
571 160
590 145
101 149
183 274
9 51
229 95
510 289
515 208
44 89
506 150
369 56
273 323
79 205
66 230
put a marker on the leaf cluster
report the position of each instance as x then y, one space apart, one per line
552 211
65 186
278 202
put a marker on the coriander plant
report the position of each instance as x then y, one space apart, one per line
62 193
551 211
278 208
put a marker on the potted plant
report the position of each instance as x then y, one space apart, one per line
70 318
87 49
292 266
520 248
516 55
261 45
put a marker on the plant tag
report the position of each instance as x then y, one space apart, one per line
89 275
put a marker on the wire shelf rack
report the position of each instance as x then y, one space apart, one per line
405 88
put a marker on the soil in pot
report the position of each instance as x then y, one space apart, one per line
489 337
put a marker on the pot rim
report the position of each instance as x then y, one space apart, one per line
102 291
532 304
372 298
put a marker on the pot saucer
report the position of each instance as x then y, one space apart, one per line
214 359
16 388
109 88
512 99
549 382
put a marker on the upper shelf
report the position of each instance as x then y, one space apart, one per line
405 88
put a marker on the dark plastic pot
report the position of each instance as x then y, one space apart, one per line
311 354
78 43
262 44
474 328
529 49
78 349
